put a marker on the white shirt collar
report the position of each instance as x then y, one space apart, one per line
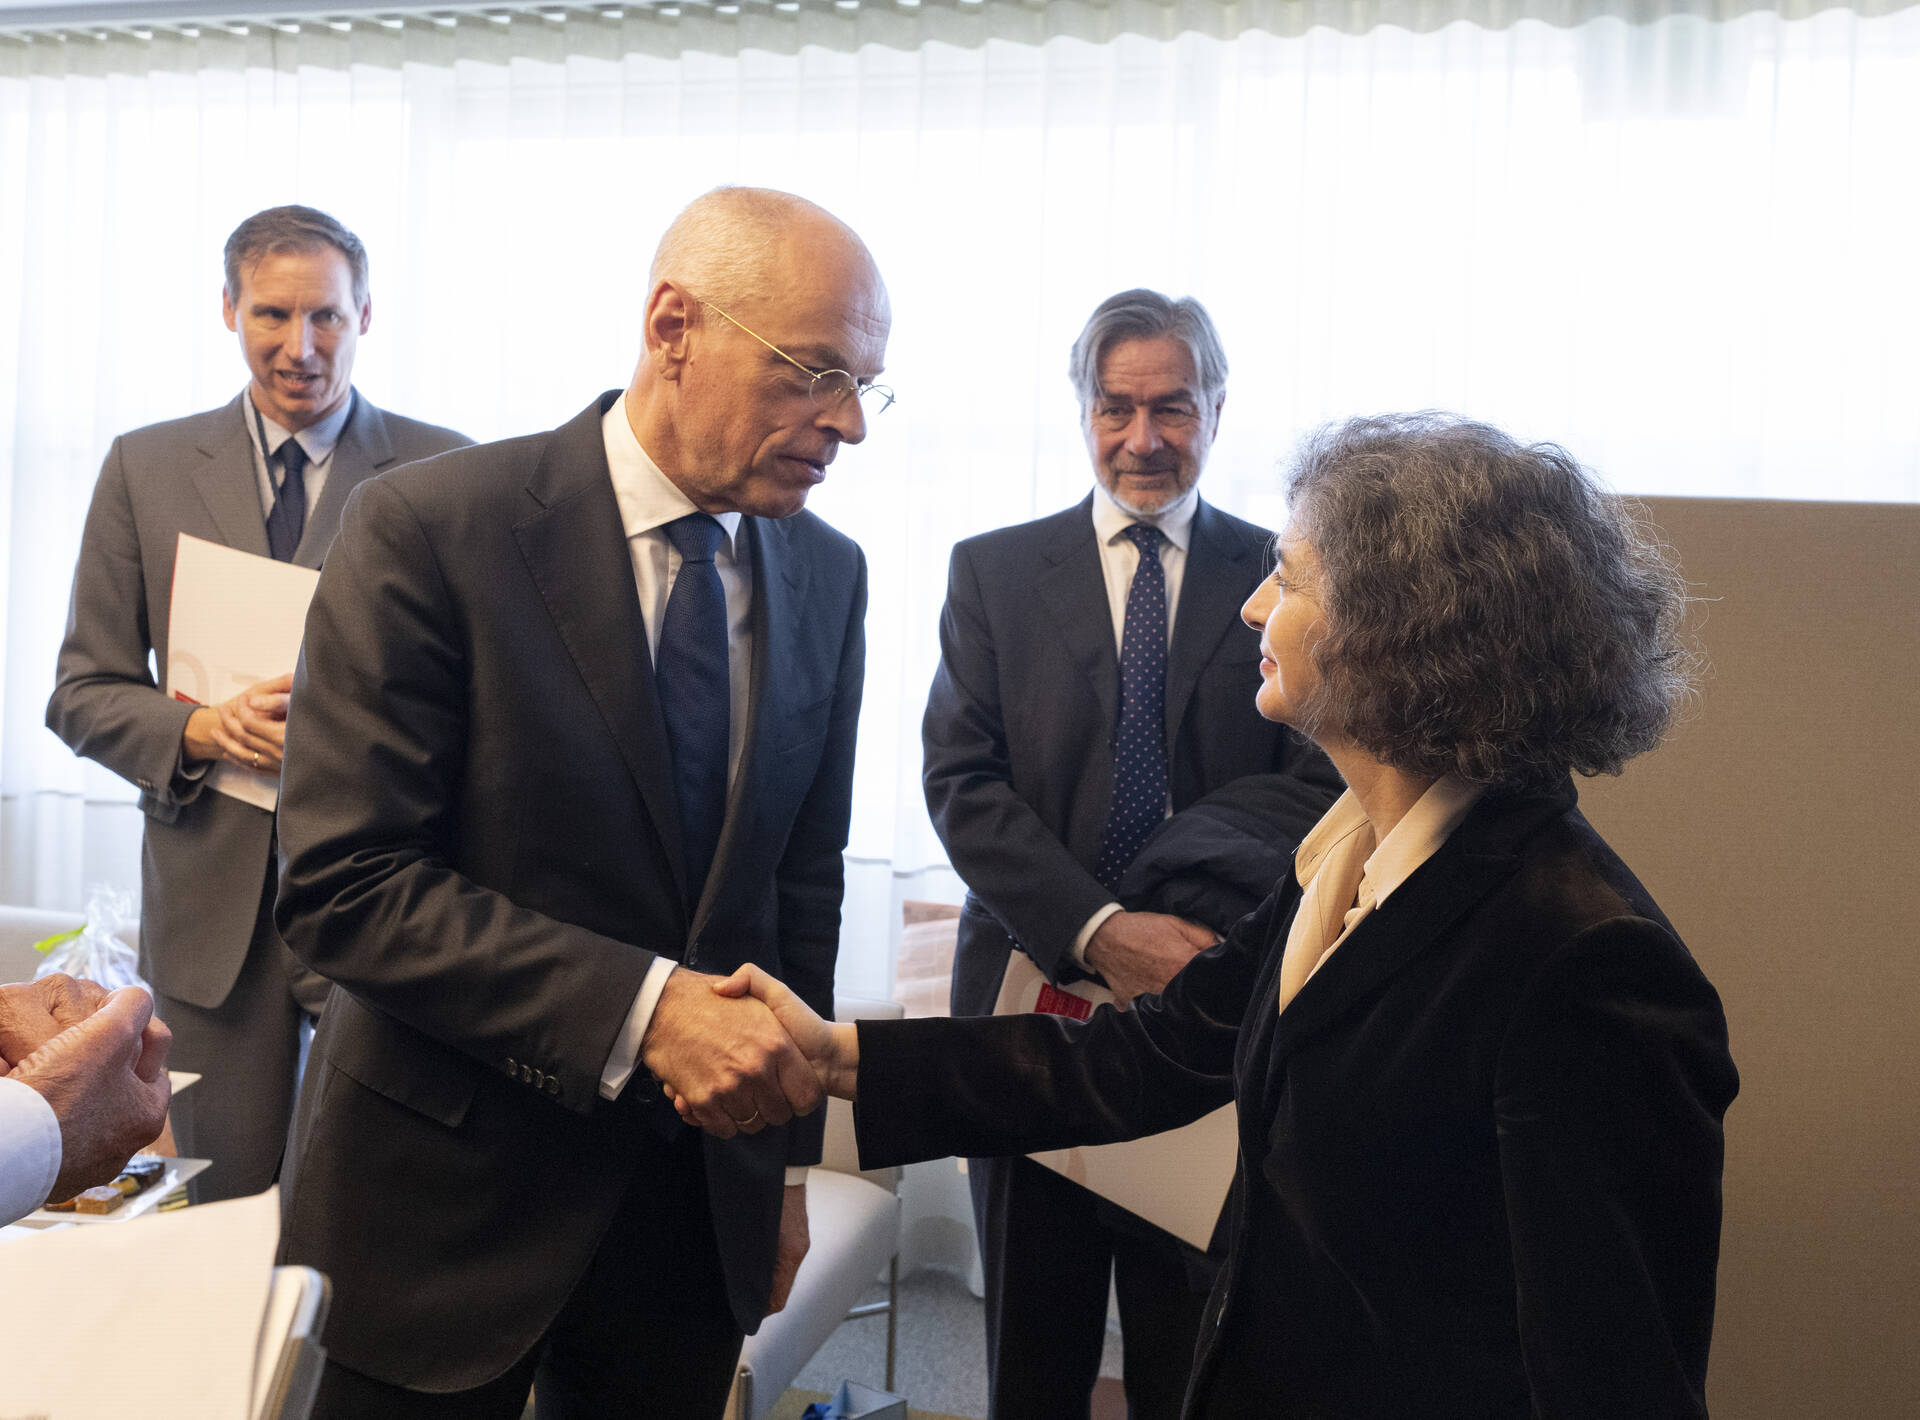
648 499
318 438
1416 838
1175 520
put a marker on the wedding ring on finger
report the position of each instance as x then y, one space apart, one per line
743 1123
256 759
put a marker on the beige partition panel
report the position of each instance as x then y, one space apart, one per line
1780 829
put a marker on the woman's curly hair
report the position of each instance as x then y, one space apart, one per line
1491 609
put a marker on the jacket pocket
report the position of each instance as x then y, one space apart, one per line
398 1062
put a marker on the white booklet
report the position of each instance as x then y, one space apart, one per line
236 619
1177 1180
164 1318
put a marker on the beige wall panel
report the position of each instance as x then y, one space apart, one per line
1780 830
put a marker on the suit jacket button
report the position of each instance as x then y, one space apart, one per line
539 1080
512 1068
553 1086
526 1074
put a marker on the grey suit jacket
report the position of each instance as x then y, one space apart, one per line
1019 725
205 855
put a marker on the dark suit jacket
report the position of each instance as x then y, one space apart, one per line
481 847
1019 726
1480 1150
206 854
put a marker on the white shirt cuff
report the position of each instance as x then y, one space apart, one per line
796 1176
29 1149
1079 947
626 1046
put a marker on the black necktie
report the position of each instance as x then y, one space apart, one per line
1140 737
289 516
691 673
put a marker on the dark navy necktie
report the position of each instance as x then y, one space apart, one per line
691 673
1140 737
289 516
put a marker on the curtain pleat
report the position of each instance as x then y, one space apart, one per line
1676 239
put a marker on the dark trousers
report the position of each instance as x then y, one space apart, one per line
646 1332
1048 1248
246 1051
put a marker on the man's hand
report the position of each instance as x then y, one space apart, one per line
794 1241
34 1012
249 730
1138 953
726 1062
833 1050
106 1078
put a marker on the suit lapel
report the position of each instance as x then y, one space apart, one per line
1220 571
228 482
577 555
779 602
1073 592
1483 852
363 450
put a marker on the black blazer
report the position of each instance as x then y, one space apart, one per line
1480 1151
1019 726
481 847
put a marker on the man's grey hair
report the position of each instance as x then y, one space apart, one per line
722 247
1147 315
280 231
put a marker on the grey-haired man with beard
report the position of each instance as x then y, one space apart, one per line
1091 683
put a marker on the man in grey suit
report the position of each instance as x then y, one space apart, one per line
267 473
1093 677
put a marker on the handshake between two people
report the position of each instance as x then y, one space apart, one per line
738 1053
99 1058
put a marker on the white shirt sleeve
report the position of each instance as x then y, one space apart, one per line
625 1054
29 1150
1077 948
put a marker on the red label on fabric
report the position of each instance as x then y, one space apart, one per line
1055 1002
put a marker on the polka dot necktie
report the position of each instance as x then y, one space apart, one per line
690 669
1140 737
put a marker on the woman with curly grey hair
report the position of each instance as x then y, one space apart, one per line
1480 1082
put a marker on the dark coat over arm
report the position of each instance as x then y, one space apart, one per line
1020 721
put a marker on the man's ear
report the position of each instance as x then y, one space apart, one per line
671 317
366 314
227 311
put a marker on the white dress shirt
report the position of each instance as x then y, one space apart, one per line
1119 559
318 439
29 1150
648 501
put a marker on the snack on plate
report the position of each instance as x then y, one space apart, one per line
104 1199
146 1167
65 1206
145 1170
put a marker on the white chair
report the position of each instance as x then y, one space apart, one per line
854 1222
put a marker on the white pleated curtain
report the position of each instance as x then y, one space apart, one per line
1683 245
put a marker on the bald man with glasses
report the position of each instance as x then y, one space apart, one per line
595 693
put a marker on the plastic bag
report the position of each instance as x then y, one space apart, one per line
95 952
